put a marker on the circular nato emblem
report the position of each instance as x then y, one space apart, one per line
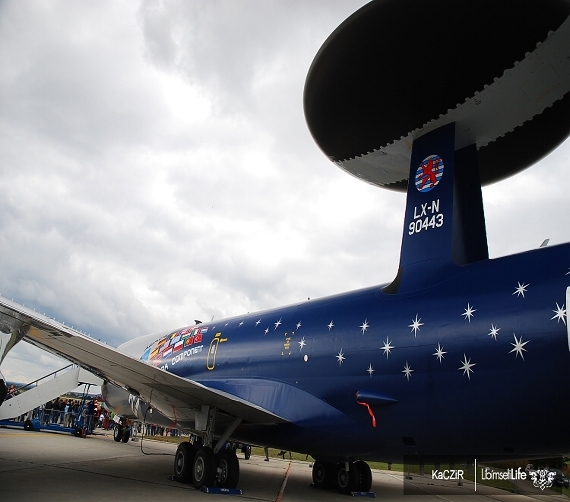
429 173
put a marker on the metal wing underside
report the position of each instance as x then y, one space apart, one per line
175 397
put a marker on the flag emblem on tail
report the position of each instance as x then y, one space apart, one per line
429 173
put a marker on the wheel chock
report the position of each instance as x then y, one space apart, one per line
222 491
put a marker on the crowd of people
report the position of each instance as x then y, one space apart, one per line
64 411
58 411
88 415
67 412
85 414
155 430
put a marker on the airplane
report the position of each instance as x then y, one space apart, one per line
460 356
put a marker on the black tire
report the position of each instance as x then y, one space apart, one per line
346 481
228 469
126 435
118 433
364 475
204 468
28 426
323 473
247 451
184 462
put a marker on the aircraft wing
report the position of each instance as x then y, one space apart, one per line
174 396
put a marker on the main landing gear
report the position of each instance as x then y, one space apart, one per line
204 463
204 468
346 477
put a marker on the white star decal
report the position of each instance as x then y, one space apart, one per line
240 324
257 322
520 290
266 331
518 347
416 325
330 325
494 332
364 326
340 357
278 323
407 371
559 313
467 365
370 370
298 324
387 347
439 352
469 312
302 343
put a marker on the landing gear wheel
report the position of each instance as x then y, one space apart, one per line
204 470
346 481
118 433
364 476
323 473
126 435
247 451
183 463
228 469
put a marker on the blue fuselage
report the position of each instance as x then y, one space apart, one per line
477 364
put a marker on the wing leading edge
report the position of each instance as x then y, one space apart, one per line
175 397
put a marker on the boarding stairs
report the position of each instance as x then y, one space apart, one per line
45 389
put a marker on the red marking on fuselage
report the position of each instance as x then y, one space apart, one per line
370 412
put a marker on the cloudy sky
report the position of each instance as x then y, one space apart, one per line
155 168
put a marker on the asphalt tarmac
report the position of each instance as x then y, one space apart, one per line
43 466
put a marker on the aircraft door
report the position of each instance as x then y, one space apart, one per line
213 350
